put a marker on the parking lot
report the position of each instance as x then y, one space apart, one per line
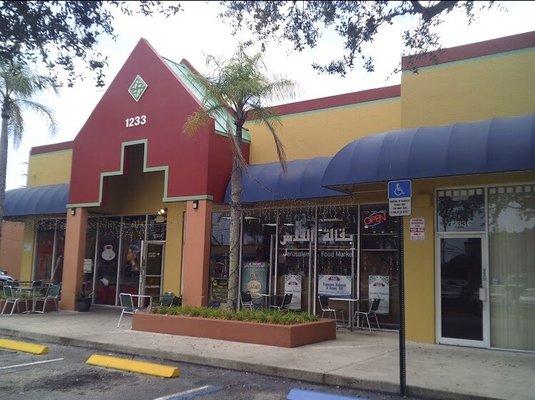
63 374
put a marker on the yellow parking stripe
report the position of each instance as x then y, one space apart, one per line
26 347
142 367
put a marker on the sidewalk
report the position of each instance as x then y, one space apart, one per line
359 360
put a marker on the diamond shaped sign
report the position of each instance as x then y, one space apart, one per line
137 88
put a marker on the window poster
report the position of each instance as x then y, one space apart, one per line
334 285
292 285
379 288
254 278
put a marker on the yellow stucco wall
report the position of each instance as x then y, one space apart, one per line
324 132
470 90
172 274
26 266
49 168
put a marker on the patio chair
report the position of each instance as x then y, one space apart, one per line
127 304
11 297
52 294
286 300
246 300
373 306
325 309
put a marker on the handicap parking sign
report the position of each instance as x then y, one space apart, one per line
399 198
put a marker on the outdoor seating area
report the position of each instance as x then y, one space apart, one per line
29 297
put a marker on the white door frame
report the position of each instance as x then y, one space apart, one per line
485 343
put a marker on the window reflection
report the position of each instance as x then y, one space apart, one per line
461 210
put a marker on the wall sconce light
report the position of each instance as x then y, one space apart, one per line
73 211
162 211
195 204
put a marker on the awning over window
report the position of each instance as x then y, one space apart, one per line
268 182
36 200
495 145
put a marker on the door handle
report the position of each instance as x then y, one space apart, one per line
482 294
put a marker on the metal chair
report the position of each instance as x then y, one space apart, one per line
324 305
373 306
246 300
11 297
127 303
52 294
286 300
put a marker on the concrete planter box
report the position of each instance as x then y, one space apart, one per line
237 331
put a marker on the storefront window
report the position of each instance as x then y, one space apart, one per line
258 249
219 258
44 250
379 262
50 243
335 260
512 266
89 261
133 233
461 210
107 260
294 258
157 227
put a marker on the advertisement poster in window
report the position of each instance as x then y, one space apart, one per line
254 278
379 288
334 285
292 285
218 289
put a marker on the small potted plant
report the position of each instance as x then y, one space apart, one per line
83 301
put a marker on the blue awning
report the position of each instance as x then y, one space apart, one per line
36 201
268 182
495 145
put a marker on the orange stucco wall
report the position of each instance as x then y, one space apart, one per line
11 247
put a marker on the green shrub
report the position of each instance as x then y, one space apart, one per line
260 315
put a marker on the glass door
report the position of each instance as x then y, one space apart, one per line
463 300
150 282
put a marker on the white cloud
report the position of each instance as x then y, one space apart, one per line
198 31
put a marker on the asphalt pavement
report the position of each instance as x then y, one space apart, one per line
63 375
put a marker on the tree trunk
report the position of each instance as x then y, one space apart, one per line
235 223
3 163
234 234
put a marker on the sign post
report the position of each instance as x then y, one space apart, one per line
399 205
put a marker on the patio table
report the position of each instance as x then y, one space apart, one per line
351 309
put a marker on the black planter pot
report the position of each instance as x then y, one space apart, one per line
83 305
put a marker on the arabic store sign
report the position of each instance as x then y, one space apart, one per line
307 235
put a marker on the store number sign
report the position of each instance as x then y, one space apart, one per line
135 121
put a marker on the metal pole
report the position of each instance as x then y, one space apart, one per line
402 354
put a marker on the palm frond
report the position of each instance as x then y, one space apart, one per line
15 123
200 119
267 117
41 110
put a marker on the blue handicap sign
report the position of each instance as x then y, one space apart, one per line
399 189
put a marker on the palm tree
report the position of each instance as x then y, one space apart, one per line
18 85
239 87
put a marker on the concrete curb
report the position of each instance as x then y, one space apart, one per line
289 373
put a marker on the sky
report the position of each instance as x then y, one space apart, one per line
198 31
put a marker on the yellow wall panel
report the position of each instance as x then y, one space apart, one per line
324 132
49 168
482 88
172 273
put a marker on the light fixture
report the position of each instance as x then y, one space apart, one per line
195 204
73 211
162 211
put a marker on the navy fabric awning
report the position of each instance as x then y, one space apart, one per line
268 182
495 145
36 200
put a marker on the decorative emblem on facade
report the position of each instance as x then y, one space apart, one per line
137 88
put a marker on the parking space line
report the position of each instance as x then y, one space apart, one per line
192 393
31 363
